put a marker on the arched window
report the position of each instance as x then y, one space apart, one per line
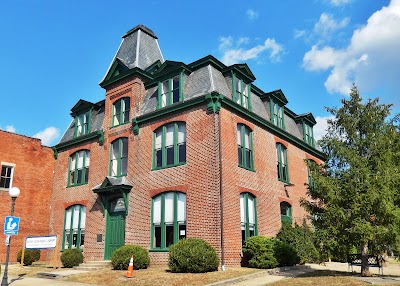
168 219
286 212
248 216
119 157
311 182
170 145
120 111
245 147
74 227
79 168
282 163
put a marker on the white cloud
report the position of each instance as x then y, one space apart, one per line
298 33
10 128
251 14
327 25
321 127
339 2
235 53
371 58
48 136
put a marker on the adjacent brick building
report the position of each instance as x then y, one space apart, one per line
178 150
28 165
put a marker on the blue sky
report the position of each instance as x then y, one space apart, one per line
53 53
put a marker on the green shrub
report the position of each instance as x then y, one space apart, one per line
259 252
301 238
71 257
120 257
30 256
285 254
192 255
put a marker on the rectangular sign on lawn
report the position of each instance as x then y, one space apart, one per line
41 242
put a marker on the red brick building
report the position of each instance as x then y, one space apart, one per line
28 165
178 150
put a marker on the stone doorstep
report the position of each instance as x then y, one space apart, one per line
93 265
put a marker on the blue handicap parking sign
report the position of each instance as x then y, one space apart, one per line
11 225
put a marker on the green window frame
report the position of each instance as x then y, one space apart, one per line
74 227
118 157
277 114
79 168
6 176
82 124
170 91
241 92
248 216
120 111
169 145
168 220
311 182
282 163
286 212
245 147
308 134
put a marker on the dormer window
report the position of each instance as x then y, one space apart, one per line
277 115
241 92
308 134
170 91
82 125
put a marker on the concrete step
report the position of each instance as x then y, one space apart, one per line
93 265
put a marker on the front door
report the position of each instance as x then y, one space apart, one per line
115 226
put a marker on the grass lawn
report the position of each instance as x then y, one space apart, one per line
325 278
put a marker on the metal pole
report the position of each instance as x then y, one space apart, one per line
4 282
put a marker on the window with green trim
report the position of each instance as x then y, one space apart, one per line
282 163
277 115
170 91
308 134
241 92
120 111
82 124
6 176
170 145
79 168
119 157
74 227
248 216
286 212
311 182
168 219
245 147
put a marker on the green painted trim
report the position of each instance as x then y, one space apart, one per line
135 71
255 217
109 189
77 140
63 241
162 222
213 100
126 201
151 224
273 129
182 106
250 164
135 126
159 250
176 226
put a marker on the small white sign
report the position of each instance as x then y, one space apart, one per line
41 242
8 239
182 232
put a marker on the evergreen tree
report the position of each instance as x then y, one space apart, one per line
355 198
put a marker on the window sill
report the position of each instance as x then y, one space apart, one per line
114 126
76 185
246 168
168 166
159 250
283 181
119 176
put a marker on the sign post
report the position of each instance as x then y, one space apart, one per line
41 242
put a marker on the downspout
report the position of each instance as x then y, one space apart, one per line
220 194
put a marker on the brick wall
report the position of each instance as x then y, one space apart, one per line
33 175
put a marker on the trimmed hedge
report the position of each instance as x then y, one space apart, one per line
259 252
30 256
192 255
285 254
71 257
120 257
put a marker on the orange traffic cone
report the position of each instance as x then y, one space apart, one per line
129 273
